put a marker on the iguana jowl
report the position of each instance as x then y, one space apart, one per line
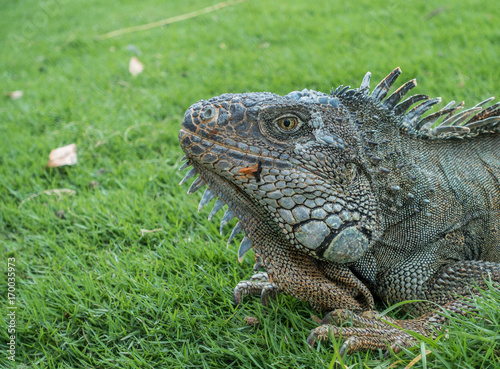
352 195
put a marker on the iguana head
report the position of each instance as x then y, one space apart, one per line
288 168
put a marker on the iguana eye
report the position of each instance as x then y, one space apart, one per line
287 123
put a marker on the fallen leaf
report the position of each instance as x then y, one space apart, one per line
14 95
135 67
250 320
65 155
61 214
316 319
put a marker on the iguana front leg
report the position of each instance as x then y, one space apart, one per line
326 286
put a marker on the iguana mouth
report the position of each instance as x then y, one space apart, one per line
240 205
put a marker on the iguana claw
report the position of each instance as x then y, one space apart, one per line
258 284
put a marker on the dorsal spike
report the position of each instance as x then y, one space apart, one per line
491 111
226 218
461 117
245 245
449 129
237 229
185 165
189 174
457 107
450 105
485 101
365 84
336 91
196 185
217 206
208 196
493 121
380 91
432 118
343 89
411 118
402 107
397 95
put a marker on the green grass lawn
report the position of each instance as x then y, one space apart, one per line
93 289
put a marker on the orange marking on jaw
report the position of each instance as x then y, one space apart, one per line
249 170
254 170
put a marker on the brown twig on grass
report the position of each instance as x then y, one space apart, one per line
164 22
55 191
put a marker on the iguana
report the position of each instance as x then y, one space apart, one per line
352 195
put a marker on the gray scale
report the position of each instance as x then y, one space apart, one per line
345 215
337 207
275 195
318 213
334 221
301 213
310 203
299 199
319 201
287 216
286 202
270 202
312 234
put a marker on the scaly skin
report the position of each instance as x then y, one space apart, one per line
347 196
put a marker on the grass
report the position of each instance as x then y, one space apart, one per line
92 289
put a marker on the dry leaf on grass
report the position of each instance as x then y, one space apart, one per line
316 319
250 320
14 95
135 67
65 155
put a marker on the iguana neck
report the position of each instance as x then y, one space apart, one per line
400 186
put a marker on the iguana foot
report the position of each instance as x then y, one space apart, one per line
371 331
258 284
368 332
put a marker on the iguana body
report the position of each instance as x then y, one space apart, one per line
348 196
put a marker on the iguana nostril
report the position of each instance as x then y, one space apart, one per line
207 113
